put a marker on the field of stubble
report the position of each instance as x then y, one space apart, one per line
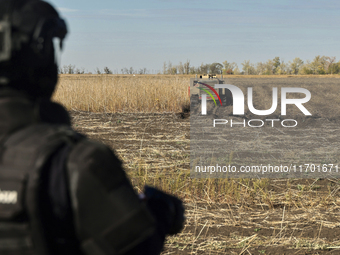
233 216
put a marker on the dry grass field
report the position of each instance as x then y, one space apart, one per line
224 216
123 93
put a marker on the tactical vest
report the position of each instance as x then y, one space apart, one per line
22 157
109 217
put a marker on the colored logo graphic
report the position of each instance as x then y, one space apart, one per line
208 92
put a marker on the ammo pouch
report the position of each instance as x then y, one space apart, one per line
23 156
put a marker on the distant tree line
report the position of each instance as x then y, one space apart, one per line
71 69
319 65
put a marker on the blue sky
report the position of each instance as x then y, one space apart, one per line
146 33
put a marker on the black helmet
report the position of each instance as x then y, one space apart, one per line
27 61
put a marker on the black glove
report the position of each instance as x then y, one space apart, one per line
166 208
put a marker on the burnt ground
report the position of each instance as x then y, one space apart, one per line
162 140
283 216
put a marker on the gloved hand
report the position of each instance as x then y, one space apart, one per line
168 209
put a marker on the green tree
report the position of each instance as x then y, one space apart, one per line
269 67
229 67
306 68
193 70
216 68
283 68
260 68
295 65
204 68
248 68
334 67
236 70
276 64
318 65
330 63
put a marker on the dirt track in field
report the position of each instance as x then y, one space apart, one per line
269 227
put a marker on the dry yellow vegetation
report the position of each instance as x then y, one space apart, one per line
224 216
165 93
123 93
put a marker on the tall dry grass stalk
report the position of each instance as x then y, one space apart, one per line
123 93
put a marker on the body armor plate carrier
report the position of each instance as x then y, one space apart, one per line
109 219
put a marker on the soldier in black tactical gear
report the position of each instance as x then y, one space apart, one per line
61 193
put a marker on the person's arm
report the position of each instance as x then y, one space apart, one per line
169 214
110 218
166 210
